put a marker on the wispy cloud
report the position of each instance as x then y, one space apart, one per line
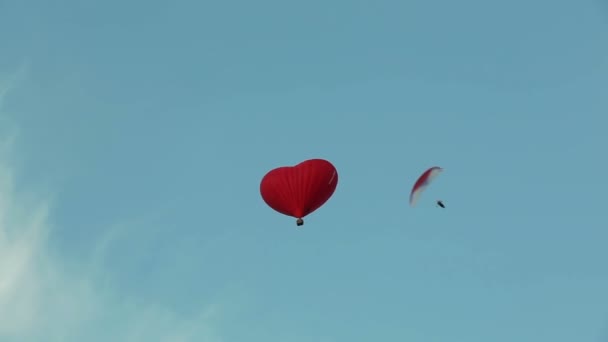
44 297
10 81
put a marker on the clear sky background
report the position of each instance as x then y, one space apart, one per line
134 136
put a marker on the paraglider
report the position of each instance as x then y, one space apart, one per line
423 182
301 189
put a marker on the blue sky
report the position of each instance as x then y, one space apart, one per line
134 135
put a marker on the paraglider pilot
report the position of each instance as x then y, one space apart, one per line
299 222
439 203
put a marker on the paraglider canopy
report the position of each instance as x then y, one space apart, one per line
423 182
301 189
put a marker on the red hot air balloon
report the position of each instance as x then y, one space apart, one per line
423 182
300 189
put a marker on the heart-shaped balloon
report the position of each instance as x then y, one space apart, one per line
300 189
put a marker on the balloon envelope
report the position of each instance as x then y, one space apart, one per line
423 182
301 189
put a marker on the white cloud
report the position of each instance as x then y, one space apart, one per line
46 298
9 82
